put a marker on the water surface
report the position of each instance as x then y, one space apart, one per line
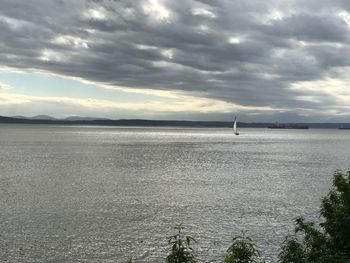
103 194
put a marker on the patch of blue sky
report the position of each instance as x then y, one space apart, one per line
38 84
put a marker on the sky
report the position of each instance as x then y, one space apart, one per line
261 60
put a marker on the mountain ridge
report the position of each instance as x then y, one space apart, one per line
77 120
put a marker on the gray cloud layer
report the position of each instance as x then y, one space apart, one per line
244 52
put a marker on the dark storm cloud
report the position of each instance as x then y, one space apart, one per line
311 28
245 52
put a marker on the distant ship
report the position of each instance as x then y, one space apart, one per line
344 128
288 126
235 132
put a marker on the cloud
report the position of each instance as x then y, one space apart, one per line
4 86
247 53
181 104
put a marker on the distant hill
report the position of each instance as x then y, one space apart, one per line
123 122
42 117
18 117
76 120
38 117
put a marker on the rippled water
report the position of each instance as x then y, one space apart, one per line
103 194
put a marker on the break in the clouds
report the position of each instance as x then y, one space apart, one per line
263 60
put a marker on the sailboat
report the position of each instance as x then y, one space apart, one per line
235 127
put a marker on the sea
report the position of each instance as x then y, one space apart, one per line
108 194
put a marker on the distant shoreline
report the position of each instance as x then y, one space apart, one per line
162 123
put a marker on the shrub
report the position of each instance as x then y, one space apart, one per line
242 250
330 240
181 251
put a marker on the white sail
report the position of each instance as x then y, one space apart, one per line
235 127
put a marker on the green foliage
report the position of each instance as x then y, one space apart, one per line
308 244
242 250
181 251
336 210
292 251
330 241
